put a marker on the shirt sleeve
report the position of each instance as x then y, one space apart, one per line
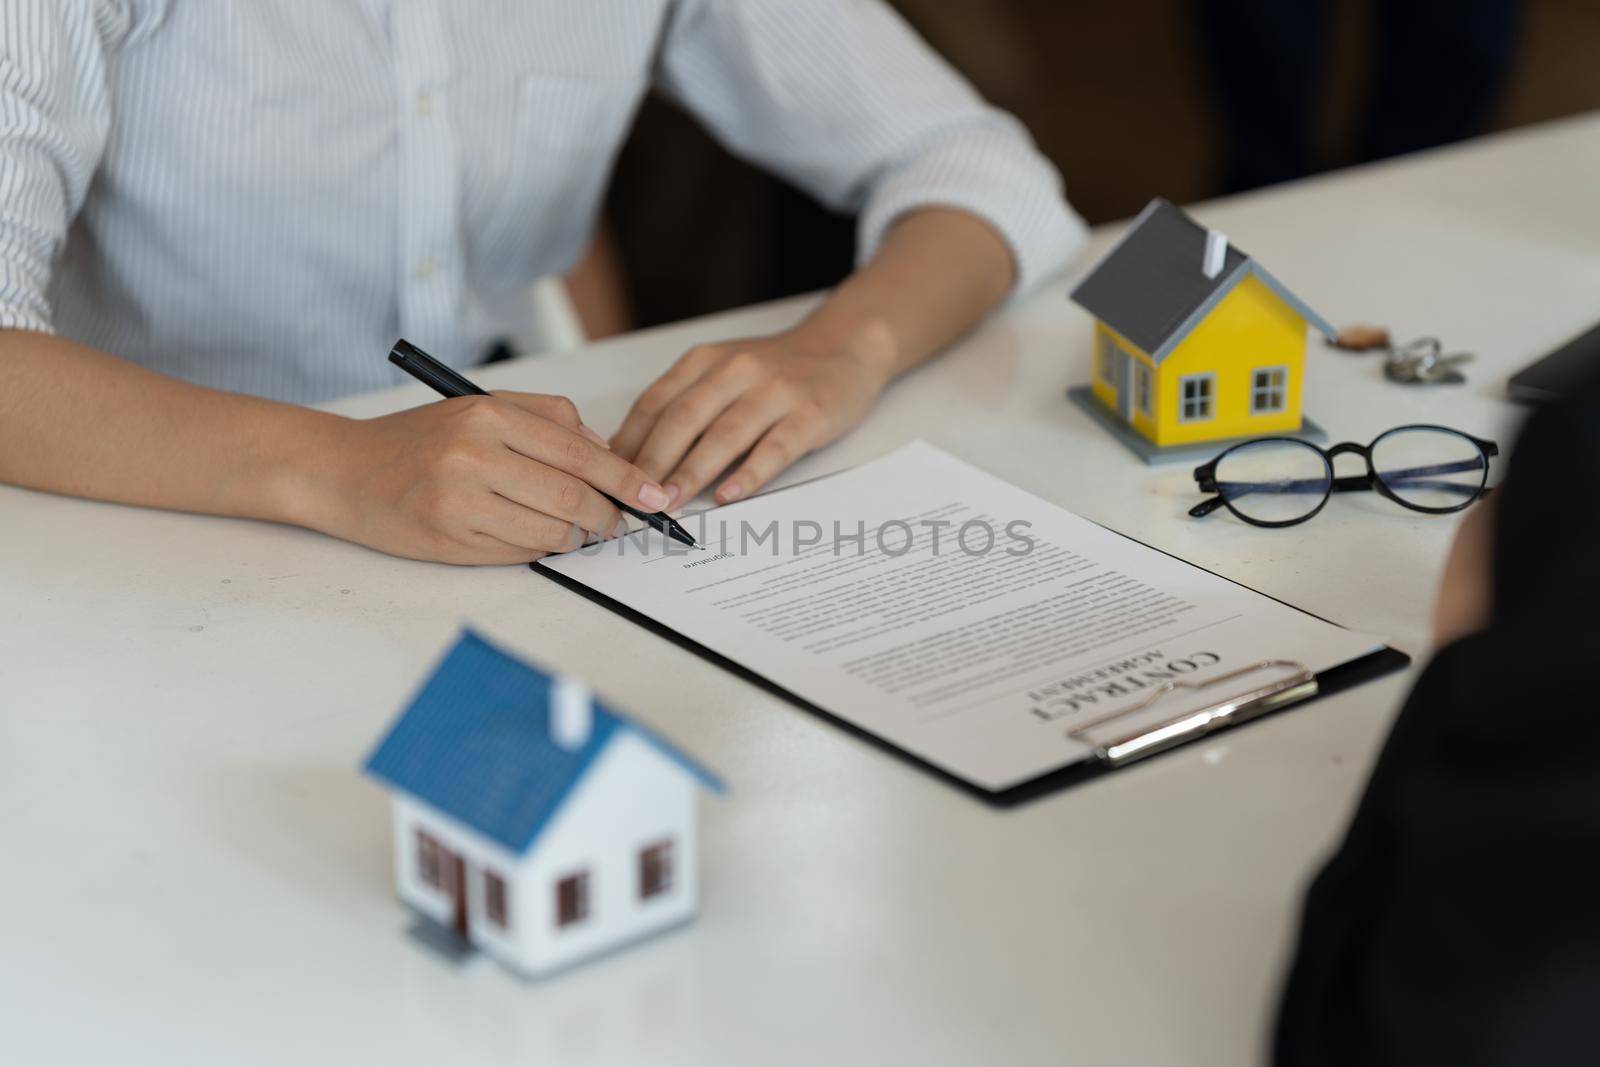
54 118
842 98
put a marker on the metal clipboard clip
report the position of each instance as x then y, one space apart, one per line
1124 742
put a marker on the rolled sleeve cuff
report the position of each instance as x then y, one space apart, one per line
18 318
23 276
997 176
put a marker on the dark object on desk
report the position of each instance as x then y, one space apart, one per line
1553 377
1454 925
446 382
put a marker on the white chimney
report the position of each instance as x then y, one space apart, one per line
1216 252
571 713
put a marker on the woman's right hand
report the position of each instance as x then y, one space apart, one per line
495 479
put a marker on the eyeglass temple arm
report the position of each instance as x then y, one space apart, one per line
1205 477
1418 478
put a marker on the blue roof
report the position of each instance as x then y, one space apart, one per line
475 744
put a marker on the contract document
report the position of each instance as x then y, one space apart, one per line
956 617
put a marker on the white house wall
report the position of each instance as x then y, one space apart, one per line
631 798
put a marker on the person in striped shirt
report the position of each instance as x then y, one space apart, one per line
213 213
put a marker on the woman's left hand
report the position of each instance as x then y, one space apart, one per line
776 398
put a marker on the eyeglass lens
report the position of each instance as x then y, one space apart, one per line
1436 470
1274 481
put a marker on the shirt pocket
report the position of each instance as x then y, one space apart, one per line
565 140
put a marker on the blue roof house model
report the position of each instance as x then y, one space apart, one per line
538 824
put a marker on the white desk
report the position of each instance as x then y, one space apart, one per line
194 871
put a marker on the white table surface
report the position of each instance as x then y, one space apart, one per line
195 872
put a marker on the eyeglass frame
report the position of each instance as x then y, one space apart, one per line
1205 476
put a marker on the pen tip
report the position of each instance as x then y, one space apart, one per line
676 531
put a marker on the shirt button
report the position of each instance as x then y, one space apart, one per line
425 270
424 103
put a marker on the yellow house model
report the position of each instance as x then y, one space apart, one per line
1194 341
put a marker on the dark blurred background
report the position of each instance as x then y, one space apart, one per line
1131 98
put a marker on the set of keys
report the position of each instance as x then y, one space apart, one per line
1419 362
1423 362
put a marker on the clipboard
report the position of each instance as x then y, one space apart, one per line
1117 739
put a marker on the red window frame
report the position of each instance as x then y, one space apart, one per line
657 866
430 860
496 900
572 898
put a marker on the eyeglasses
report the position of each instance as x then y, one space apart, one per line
1281 481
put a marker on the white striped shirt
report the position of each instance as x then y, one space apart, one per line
260 195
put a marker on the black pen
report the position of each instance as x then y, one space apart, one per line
441 379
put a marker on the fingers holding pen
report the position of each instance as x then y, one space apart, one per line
568 451
558 409
477 479
546 491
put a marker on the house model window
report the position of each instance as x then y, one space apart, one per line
1141 375
1269 390
494 900
1108 359
1197 397
572 899
655 870
430 864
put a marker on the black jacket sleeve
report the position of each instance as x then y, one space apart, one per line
1459 921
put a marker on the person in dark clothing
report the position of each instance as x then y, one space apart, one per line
1436 71
1459 921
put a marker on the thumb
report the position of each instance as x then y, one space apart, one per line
557 409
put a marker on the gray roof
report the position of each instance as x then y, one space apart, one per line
1151 289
